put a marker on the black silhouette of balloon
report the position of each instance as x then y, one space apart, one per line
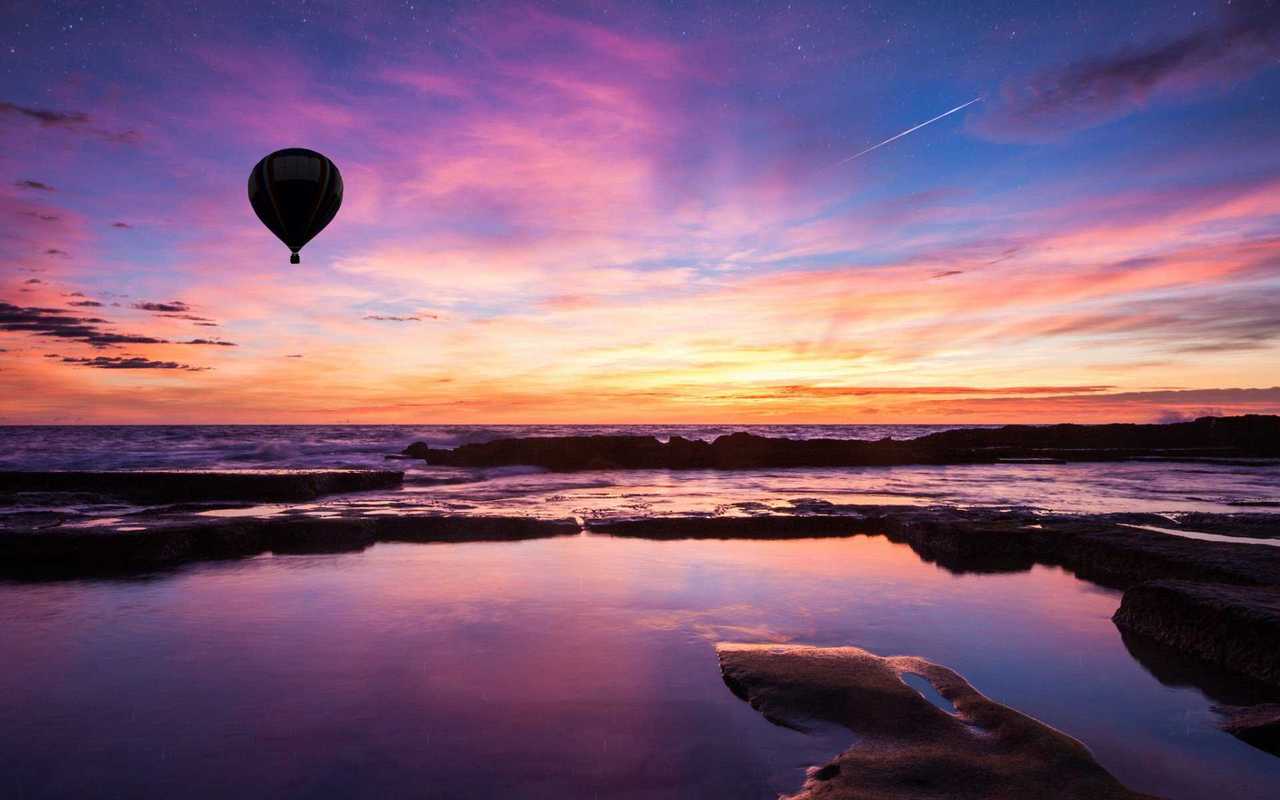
295 192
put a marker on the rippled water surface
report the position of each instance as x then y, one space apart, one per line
1128 486
150 446
580 666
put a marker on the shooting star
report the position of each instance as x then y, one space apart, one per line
908 130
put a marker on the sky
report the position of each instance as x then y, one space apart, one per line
644 212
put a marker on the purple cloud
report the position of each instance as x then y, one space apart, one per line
174 307
129 362
43 217
1094 91
76 121
58 323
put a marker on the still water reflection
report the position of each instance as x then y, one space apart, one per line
570 667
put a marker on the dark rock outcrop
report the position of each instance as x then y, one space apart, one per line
905 746
959 540
176 486
417 450
70 552
985 540
1252 436
1235 627
1258 525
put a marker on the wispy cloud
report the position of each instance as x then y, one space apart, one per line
73 121
60 324
171 307
1245 40
37 185
129 362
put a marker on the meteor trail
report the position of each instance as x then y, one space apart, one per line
908 130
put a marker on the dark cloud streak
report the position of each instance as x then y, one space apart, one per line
799 390
176 306
1245 40
129 362
40 216
72 121
1247 319
59 323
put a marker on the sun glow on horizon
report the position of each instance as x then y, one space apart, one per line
607 214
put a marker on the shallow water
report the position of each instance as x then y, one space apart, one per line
580 666
1077 488
1087 488
229 446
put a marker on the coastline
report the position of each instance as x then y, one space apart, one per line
1240 438
1201 583
1110 550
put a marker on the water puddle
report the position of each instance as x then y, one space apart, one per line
1206 537
926 689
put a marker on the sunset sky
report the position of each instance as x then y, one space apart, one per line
634 212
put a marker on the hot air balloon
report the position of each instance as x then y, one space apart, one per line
295 192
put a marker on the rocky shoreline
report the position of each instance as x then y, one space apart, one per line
1216 599
1215 438
1216 603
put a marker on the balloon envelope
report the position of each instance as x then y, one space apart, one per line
295 192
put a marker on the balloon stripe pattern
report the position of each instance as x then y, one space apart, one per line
296 193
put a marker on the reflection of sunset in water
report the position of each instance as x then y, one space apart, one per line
557 667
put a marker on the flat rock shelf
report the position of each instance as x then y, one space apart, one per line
174 486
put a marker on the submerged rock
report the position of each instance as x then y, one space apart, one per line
1258 725
175 486
907 747
1251 436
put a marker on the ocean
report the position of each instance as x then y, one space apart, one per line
572 666
241 446
1126 486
